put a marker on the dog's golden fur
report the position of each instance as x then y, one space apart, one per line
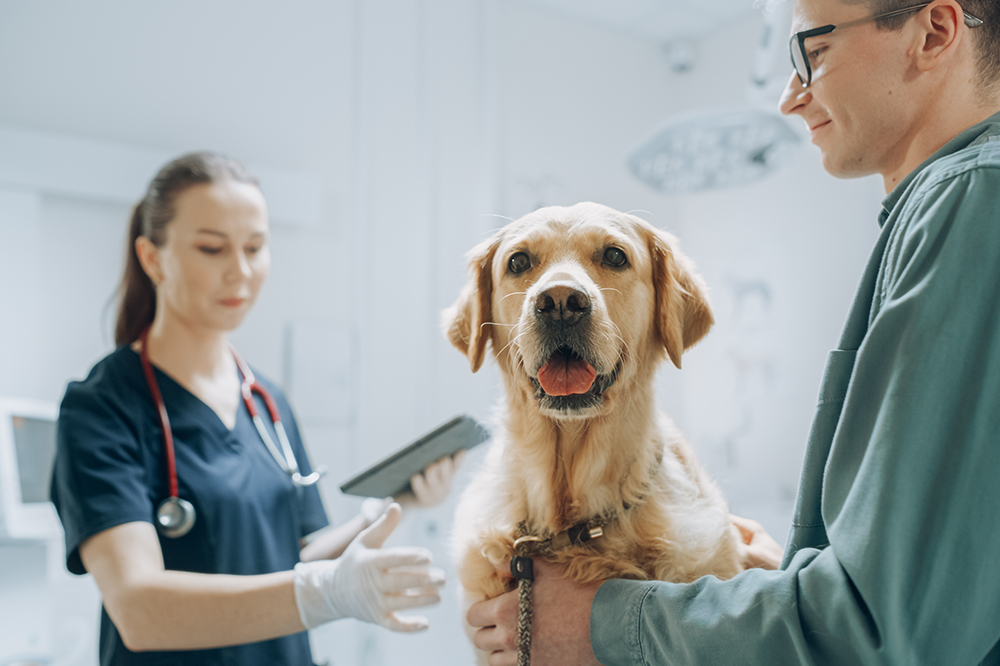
554 467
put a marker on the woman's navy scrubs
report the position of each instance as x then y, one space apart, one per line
110 469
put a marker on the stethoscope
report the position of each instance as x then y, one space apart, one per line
175 516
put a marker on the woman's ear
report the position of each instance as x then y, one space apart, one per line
465 323
149 258
683 315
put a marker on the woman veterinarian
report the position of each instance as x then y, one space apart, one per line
237 585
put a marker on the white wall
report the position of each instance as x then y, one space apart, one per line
783 259
418 120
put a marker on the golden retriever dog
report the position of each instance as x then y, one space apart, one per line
580 305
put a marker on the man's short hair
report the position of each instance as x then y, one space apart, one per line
986 37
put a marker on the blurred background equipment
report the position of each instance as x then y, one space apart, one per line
707 150
27 519
711 150
27 449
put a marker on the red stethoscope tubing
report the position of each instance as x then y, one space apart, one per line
248 386
161 410
285 457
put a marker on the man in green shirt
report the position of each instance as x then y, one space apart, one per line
894 552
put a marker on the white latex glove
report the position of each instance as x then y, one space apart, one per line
432 486
369 583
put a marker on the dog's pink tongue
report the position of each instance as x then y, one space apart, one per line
566 376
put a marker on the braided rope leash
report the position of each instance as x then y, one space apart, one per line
522 568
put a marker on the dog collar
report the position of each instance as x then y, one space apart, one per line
577 535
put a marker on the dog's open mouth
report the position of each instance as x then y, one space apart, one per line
567 382
566 373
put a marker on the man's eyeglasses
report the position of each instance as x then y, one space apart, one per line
797 45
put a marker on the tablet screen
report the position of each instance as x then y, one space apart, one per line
391 476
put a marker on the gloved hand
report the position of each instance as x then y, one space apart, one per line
432 486
369 583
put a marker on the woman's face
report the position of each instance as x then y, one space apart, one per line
215 257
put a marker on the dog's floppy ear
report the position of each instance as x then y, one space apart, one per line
465 323
683 314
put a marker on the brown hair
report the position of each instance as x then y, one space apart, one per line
987 35
150 217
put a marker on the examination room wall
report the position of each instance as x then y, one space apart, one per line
413 122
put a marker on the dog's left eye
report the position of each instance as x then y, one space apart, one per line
615 257
519 263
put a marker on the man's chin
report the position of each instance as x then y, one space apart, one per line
839 166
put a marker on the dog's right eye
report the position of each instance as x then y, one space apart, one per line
519 263
615 257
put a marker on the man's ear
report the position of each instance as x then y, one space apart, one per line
683 315
466 323
939 31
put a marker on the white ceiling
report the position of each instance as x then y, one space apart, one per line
658 20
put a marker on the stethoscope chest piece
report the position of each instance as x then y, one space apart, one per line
175 517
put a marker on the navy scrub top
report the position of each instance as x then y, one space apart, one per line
110 469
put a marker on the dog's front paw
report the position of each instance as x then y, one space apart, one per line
483 570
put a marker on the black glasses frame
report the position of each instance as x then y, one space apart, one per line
797 44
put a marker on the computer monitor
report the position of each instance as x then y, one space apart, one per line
27 450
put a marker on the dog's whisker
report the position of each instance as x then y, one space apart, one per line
515 361
494 323
516 293
609 337
505 347
502 217
611 289
515 339
616 332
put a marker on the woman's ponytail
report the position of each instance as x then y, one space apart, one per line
137 294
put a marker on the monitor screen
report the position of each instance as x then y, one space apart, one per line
35 446
27 452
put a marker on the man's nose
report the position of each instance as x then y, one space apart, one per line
563 303
794 97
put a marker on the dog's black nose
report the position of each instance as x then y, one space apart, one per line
562 303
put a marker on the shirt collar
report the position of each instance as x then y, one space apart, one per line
971 136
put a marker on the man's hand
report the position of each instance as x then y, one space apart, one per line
560 632
760 551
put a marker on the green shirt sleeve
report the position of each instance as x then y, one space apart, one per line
910 490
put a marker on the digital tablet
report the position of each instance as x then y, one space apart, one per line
391 476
